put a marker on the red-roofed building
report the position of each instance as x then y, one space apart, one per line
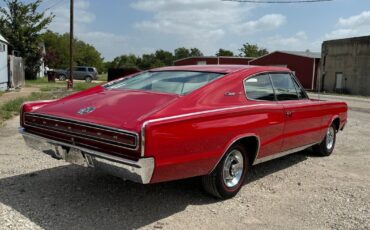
306 65
213 60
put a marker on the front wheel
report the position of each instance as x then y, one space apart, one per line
88 79
227 178
326 147
62 77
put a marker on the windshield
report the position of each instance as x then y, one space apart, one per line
176 82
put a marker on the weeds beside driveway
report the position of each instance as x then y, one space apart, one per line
46 91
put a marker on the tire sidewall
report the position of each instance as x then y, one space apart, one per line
329 151
225 191
62 78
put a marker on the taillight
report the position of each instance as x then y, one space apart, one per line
29 107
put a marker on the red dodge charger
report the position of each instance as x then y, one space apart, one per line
178 122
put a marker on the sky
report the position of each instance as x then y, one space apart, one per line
117 27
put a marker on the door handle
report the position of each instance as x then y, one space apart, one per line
288 113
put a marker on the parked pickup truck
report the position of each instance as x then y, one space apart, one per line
79 73
178 122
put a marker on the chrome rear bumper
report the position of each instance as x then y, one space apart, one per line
140 171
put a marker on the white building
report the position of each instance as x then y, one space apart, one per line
4 78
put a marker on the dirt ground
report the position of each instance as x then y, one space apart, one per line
23 92
299 191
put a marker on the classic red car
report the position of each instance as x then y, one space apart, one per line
178 122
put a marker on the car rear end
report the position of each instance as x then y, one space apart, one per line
110 150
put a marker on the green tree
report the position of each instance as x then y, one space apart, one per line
21 24
57 49
223 52
57 52
183 52
149 61
125 61
195 52
165 57
252 50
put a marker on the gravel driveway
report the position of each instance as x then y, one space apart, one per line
299 191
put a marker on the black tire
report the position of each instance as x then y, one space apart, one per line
214 183
88 79
325 149
62 77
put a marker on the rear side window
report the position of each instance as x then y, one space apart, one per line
82 69
259 88
284 86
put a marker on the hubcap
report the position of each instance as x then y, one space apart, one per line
330 138
233 168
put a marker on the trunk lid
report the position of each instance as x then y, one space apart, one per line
123 109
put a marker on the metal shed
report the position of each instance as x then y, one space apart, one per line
305 64
4 77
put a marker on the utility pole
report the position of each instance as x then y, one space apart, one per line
71 47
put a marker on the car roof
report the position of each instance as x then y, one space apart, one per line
219 68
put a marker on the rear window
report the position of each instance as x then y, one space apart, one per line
176 82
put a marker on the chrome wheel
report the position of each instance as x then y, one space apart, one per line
330 134
233 168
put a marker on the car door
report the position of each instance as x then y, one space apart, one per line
81 73
259 89
303 119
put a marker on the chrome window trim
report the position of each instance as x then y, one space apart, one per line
90 125
290 74
268 73
300 86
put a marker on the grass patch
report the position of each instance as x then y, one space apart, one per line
12 107
48 90
103 77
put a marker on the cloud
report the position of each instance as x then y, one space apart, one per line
109 44
193 21
357 25
202 23
265 23
296 42
60 23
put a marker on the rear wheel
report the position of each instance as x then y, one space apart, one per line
88 79
326 147
227 178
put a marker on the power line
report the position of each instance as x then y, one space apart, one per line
54 4
57 4
278 2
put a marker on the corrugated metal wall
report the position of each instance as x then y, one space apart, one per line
3 66
302 66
